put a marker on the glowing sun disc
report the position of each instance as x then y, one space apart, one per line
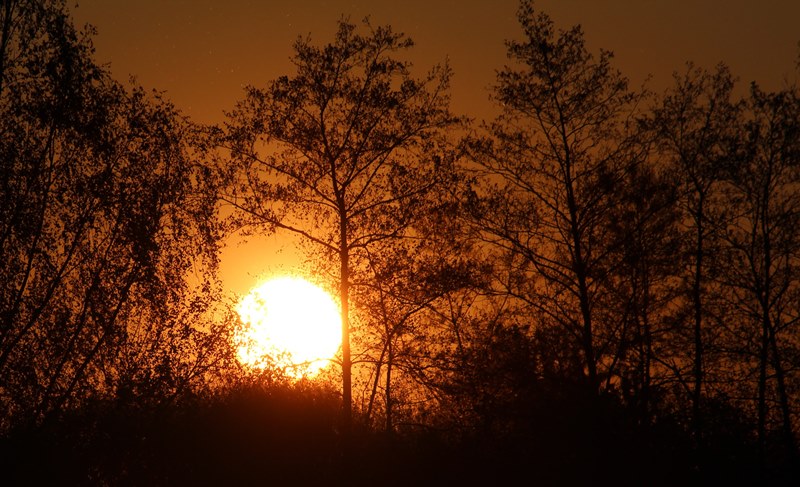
291 323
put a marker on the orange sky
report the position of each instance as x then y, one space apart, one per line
203 51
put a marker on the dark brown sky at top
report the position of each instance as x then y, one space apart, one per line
202 52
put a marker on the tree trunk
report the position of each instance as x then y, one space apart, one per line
8 11
648 349
762 393
374 390
697 301
579 268
783 397
389 361
344 295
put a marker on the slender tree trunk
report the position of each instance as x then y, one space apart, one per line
762 392
389 361
769 340
344 295
374 390
783 397
697 302
8 11
347 397
648 349
579 268
769 325
588 337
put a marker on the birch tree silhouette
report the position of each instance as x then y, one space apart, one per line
102 219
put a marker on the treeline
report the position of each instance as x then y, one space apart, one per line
600 285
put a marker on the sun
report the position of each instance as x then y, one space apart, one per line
291 323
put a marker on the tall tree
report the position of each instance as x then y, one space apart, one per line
341 154
555 157
694 123
763 246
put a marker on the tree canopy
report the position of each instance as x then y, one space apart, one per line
345 154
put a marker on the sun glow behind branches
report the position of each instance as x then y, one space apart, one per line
289 323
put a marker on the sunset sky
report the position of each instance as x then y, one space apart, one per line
251 242
202 52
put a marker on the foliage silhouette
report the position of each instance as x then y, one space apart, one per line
553 161
342 154
103 218
694 124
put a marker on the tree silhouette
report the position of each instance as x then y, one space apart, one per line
102 219
694 125
762 244
557 156
342 154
